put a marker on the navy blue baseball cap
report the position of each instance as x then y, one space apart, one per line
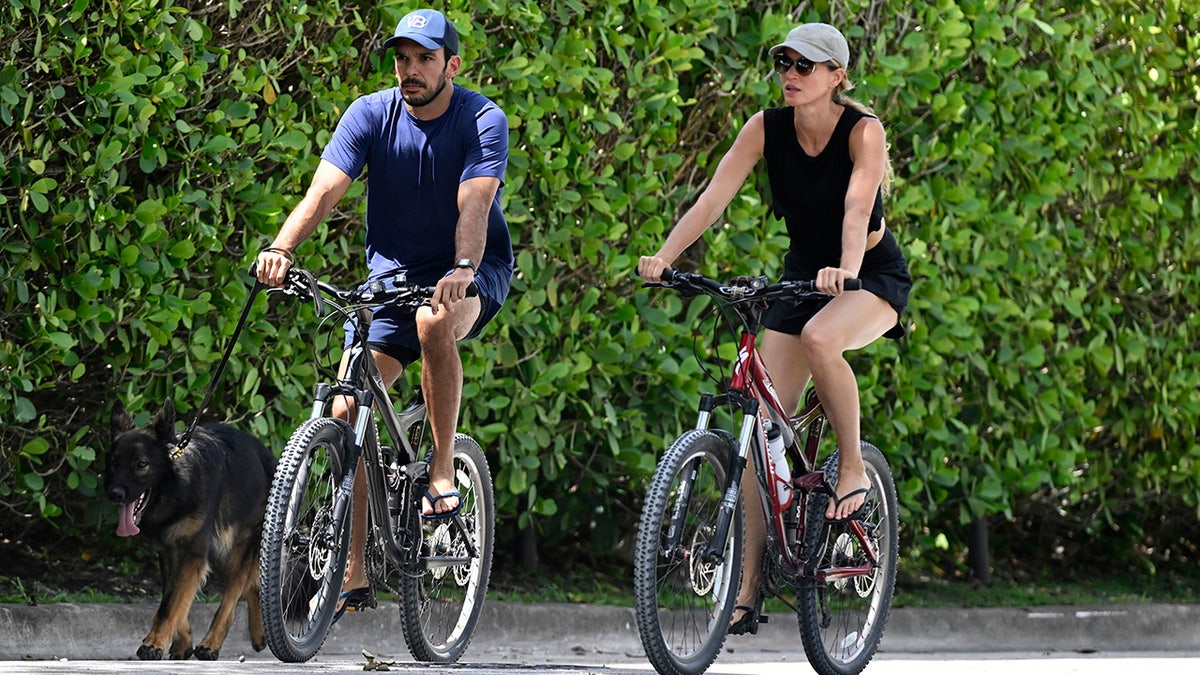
428 28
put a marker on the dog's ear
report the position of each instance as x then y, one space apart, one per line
164 422
121 422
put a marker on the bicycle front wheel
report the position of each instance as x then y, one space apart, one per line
844 606
684 599
305 540
440 601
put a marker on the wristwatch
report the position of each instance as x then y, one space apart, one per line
465 263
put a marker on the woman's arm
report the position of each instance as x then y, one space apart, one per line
731 173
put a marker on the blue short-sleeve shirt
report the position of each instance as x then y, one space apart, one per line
414 171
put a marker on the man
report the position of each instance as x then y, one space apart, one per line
436 155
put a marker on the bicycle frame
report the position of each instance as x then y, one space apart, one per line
406 430
751 391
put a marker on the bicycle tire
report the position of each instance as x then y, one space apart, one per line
683 605
304 546
842 621
441 603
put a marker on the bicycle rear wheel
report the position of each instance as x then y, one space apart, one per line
305 541
683 603
440 601
842 617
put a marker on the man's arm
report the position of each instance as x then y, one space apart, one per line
475 196
329 185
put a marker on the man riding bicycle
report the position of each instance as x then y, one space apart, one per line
436 155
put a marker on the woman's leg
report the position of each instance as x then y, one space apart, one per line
782 358
850 321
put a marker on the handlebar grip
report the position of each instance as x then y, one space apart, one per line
852 284
668 275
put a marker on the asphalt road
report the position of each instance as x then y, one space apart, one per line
565 639
728 664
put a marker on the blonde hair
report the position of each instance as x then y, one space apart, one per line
839 97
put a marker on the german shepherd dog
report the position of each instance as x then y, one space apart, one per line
202 506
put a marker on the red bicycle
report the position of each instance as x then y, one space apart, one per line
688 555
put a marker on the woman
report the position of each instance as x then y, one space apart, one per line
827 166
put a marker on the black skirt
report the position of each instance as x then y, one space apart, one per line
884 273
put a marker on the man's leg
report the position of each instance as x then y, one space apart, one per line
356 574
442 381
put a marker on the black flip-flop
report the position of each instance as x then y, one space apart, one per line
433 504
749 621
858 513
356 601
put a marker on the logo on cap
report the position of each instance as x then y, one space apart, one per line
417 21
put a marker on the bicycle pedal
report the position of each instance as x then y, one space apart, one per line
763 618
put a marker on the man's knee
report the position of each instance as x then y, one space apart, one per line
342 408
444 328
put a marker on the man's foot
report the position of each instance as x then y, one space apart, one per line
355 600
440 501
849 497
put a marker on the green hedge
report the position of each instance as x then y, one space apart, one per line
1045 160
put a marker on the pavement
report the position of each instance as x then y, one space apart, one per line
564 632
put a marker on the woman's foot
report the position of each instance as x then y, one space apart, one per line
853 488
745 619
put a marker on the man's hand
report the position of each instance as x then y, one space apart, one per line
452 288
273 264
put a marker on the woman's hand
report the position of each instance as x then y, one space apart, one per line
829 280
651 267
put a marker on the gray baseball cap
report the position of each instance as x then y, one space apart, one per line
818 42
428 28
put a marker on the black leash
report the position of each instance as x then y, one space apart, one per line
212 386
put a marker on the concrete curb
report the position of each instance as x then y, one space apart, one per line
114 631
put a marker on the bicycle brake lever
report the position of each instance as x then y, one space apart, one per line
316 294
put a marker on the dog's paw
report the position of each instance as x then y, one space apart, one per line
205 653
181 655
149 652
259 644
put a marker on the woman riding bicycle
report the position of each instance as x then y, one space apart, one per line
828 167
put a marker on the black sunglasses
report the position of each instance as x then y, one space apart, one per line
803 66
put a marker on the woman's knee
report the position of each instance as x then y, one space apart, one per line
819 345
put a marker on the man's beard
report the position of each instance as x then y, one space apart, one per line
416 100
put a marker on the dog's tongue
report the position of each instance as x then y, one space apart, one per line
126 527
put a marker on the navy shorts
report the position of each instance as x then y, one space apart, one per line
394 329
884 272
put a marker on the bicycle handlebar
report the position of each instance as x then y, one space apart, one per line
756 288
302 284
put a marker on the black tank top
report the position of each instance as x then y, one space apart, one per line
809 193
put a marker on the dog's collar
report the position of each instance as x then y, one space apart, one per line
175 451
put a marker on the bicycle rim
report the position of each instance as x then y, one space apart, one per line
304 544
842 620
441 600
683 603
